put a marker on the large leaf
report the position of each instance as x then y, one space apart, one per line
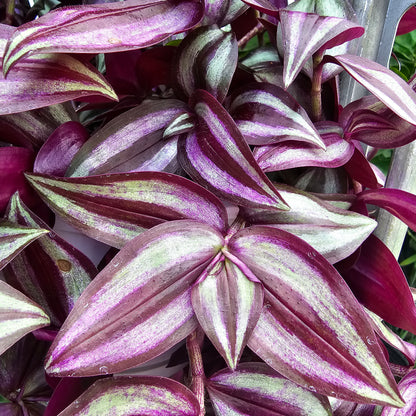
110 27
312 329
266 114
18 316
115 208
227 305
119 145
334 232
216 155
255 389
127 396
139 306
50 271
46 79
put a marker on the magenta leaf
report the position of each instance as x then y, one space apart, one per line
257 390
57 152
380 285
99 28
123 144
140 303
266 114
227 305
206 59
291 154
306 34
217 156
50 271
312 329
407 22
145 395
115 208
334 232
18 316
397 202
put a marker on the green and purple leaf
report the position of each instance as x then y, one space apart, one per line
102 28
139 305
222 12
227 305
266 114
206 60
127 396
312 329
255 389
121 145
216 155
18 316
115 208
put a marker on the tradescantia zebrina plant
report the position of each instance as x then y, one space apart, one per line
203 144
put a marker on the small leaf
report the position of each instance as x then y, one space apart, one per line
257 390
18 316
145 395
221 13
115 208
139 306
100 28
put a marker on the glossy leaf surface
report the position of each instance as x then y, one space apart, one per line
217 156
312 329
99 28
255 389
222 12
139 306
115 208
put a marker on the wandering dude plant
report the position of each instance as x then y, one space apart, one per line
204 149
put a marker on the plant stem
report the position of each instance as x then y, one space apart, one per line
10 4
316 91
196 368
249 35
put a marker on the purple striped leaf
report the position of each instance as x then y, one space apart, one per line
47 79
18 316
387 86
115 208
102 28
306 34
139 305
312 329
380 285
291 154
222 12
255 389
334 232
57 152
206 59
407 388
50 271
227 305
266 114
397 202
344 408
120 144
145 395
217 156
14 238
267 6
180 125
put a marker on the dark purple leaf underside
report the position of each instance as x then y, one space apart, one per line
217 156
102 28
139 304
115 208
379 284
145 395
312 329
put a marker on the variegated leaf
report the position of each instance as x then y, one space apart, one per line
139 306
312 329
99 28
227 305
222 12
255 389
125 396
334 232
18 316
115 208
217 156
